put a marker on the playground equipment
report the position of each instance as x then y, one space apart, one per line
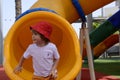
66 8
64 36
102 38
106 44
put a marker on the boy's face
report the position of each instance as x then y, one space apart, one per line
36 37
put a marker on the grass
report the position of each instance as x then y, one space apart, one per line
109 66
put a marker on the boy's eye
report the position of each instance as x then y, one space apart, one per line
35 33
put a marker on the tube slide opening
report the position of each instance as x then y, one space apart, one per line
63 35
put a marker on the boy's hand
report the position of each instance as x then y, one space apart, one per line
53 74
18 69
19 66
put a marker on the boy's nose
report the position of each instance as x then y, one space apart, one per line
33 36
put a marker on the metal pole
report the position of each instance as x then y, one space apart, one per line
81 40
119 29
1 37
89 55
89 22
88 47
118 4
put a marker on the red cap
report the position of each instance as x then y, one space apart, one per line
43 28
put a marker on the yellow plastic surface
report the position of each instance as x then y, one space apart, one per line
66 9
63 35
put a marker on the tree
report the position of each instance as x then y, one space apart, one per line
17 7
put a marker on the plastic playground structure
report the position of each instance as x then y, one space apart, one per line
60 13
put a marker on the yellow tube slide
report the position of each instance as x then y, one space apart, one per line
63 35
66 9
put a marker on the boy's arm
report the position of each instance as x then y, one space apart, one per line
55 64
53 73
19 66
21 61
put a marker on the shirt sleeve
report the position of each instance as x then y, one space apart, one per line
27 53
56 53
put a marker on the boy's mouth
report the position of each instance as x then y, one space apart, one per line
34 40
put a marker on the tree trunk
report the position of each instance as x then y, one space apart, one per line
17 7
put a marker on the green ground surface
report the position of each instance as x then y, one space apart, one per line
109 66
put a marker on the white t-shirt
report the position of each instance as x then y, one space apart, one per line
43 58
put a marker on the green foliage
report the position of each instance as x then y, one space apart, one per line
96 25
117 32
